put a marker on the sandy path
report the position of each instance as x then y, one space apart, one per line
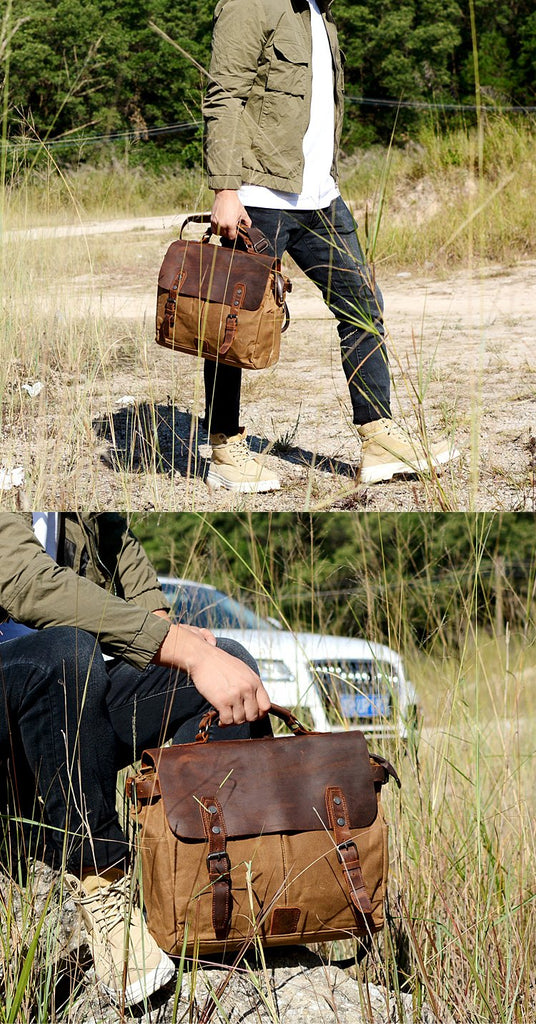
463 345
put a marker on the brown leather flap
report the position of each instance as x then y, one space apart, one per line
211 272
265 785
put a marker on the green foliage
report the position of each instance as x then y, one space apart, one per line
423 577
97 67
505 30
397 52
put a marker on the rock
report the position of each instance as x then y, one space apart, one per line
61 949
293 986
297 986
321 994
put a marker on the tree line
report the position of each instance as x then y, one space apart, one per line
78 68
400 578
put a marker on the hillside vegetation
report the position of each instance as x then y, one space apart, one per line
415 579
87 72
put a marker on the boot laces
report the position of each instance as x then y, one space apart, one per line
394 430
240 451
108 906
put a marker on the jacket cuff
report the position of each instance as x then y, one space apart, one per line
140 650
216 181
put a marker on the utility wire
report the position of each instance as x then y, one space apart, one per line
79 140
182 126
422 105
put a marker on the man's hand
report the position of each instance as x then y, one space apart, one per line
227 212
226 682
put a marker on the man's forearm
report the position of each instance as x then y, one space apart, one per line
226 682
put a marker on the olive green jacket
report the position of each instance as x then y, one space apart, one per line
103 582
258 100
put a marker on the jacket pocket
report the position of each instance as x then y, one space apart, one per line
289 68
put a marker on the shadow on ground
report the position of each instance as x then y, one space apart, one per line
148 438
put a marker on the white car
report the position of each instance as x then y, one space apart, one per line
330 682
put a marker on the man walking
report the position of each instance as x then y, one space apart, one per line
273 114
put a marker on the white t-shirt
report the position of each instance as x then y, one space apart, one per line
46 527
319 187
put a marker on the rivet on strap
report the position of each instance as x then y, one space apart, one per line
347 851
218 865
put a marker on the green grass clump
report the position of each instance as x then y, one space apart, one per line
440 207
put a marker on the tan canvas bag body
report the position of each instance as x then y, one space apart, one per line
279 838
224 303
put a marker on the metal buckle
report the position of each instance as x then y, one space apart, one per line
345 846
216 856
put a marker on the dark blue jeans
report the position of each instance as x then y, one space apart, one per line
68 722
324 244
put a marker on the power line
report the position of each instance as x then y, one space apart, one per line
176 128
79 140
422 105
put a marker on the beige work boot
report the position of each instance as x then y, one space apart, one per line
128 963
235 467
388 451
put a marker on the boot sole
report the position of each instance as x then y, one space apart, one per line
242 486
150 983
386 471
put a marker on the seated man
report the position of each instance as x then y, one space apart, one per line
92 671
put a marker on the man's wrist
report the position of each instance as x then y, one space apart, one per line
179 649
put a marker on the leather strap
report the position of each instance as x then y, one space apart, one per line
205 722
284 714
387 767
218 865
171 305
231 323
347 851
379 774
142 787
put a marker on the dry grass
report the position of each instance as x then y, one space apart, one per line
440 209
465 863
76 314
461 934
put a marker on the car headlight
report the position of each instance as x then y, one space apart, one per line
274 671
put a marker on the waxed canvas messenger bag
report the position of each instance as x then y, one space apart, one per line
280 840
224 303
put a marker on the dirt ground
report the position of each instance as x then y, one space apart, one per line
462 355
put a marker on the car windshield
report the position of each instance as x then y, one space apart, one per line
197 605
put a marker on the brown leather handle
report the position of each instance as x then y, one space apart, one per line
284 714
251 239
195 218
